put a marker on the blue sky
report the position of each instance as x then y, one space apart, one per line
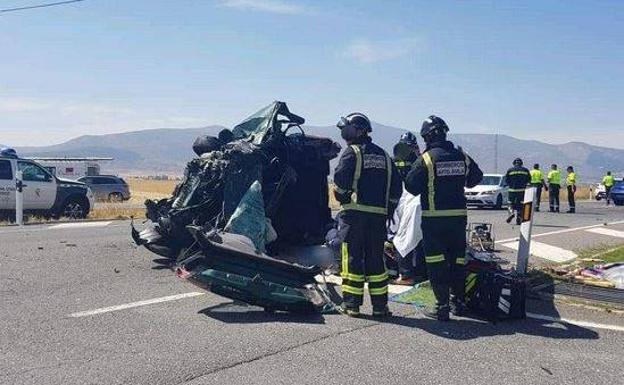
547 70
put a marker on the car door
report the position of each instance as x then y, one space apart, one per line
7 185
40 190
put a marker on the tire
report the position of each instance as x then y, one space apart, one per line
499 202
115 197
74 208
598 198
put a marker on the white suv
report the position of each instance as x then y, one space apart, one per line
44 194
492 191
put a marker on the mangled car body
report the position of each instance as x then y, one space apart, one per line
249 218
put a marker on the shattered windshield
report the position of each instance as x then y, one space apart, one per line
257 125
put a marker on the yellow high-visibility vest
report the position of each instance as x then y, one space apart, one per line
608 181
536 176
554 177
571 179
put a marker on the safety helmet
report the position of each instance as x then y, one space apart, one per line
433 124
409 138
357 120
517 162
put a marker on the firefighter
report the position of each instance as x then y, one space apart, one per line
439 177
571 187
405 152
518 178
608 181
368 186
537 181
554 185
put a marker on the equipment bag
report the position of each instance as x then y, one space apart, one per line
497 295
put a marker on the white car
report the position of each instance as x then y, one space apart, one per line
492 191
44 193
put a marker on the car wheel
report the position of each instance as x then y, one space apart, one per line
499 202
115 197
75 208
598 198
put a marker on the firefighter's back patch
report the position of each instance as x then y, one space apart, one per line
451 168
374 161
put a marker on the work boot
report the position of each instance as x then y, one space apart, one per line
537 209
571 211
510 217
458 308
440 313
518 220
381 312
351 311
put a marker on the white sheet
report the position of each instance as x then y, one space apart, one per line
407 219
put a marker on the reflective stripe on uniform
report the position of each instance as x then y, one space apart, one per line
471 281
431 177
352 290
345 259
400 163
434 258
460 261
354 205
516 190
353 277
518 173
445 213
339 190
378 290
377 278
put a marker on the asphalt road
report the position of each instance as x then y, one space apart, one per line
49 275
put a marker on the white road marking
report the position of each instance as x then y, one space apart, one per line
542 250
336 280
576 322
131 305
79 225
605 231
563 231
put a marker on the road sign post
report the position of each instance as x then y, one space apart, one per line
524 246
19 198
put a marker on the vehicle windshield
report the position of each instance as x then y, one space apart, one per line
490 180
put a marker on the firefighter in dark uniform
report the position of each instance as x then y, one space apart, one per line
405 152
439 177
518 177
368 186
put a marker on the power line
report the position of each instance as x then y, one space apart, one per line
39 6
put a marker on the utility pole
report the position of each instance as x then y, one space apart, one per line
496 152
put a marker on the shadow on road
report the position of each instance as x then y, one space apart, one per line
241 313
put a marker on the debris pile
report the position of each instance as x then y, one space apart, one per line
248 209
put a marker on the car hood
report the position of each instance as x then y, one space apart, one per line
482 188
69 182
619 188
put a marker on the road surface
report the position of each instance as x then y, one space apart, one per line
80 304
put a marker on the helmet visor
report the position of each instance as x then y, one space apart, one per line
342 123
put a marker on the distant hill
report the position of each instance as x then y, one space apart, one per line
166 151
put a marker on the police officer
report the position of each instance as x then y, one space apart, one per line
608 181
537 181
571 187
405 152
518 178
554 185
439 177
368 186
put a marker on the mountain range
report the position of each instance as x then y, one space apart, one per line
166 151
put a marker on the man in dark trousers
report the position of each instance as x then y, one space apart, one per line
412 266
554 186
537 181
439 177
571 186
368 186
608 181
518 178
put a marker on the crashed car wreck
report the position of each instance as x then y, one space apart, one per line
249 219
